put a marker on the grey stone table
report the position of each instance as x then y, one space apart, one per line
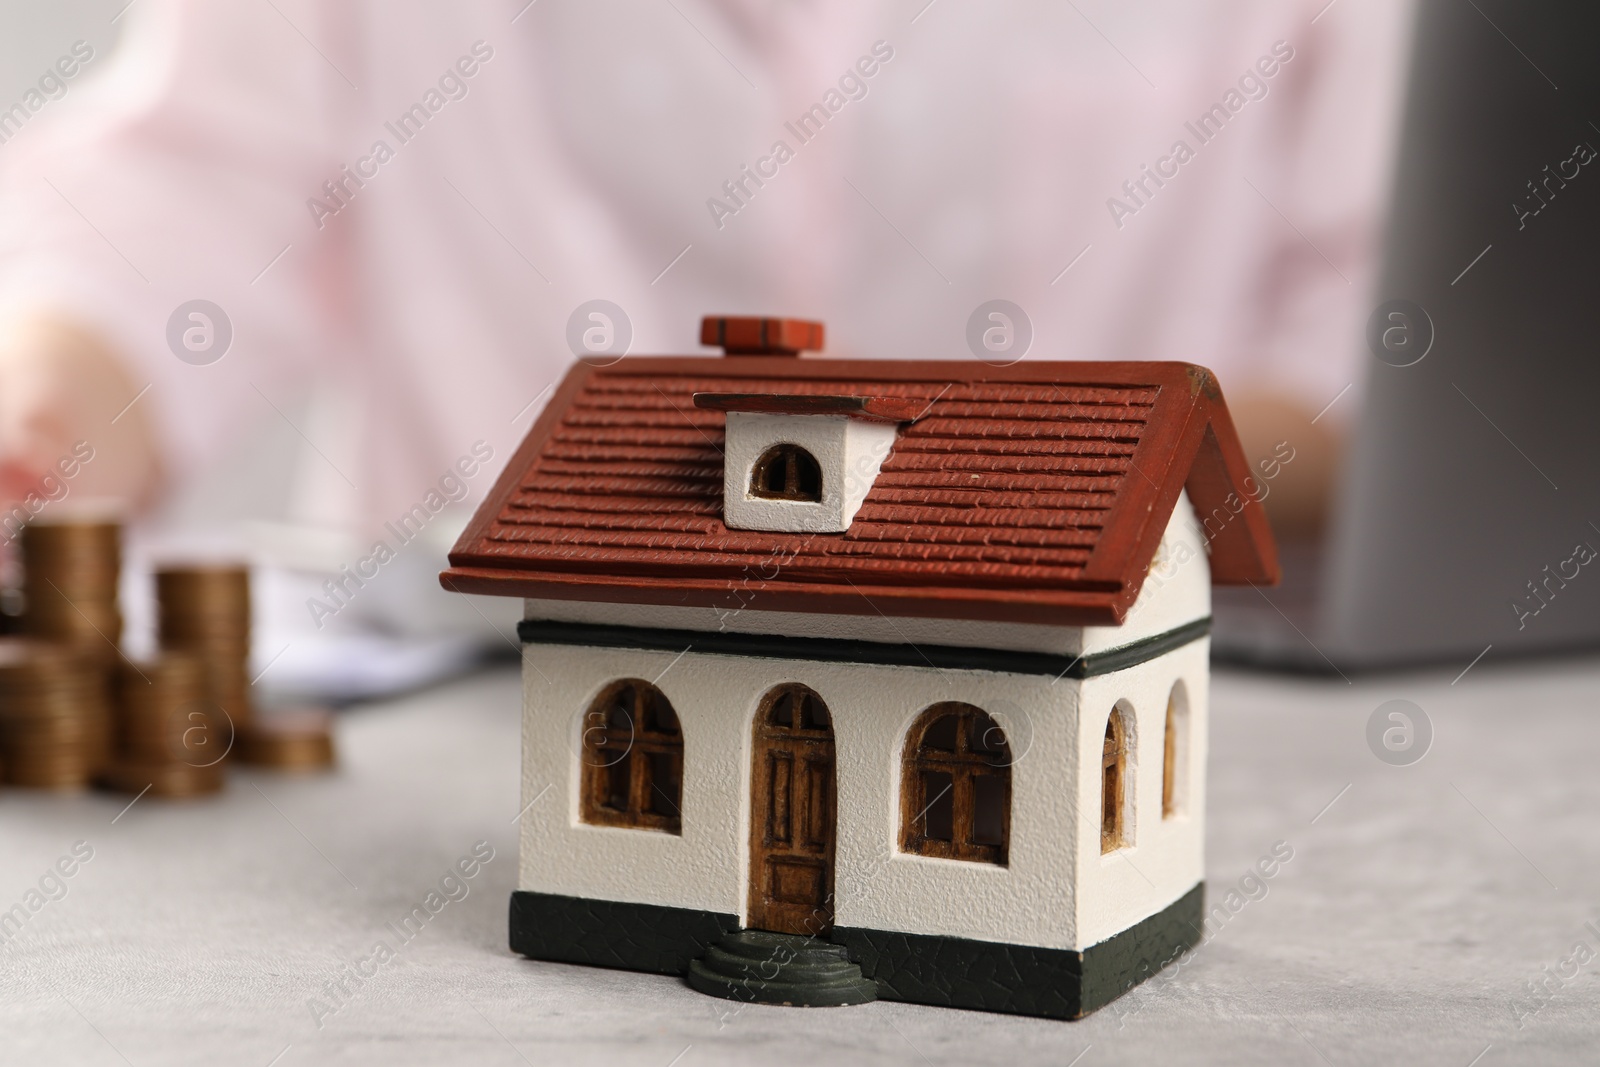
1421 904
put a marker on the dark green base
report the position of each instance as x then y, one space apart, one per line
1020 979
947 971
761 967
604 933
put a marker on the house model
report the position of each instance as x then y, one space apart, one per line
848 679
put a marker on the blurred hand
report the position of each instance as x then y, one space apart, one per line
61 387
1273 426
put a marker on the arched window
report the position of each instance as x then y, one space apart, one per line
1113 783
632 759
1175 754
955 791
787 472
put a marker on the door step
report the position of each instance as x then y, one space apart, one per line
761 967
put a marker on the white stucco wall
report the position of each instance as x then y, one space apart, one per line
1164 857
848 452
1057 889
1055 790
1177 590
872 707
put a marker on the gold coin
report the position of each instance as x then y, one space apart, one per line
69 584
163 713
55 724
162 779
299 740
204 607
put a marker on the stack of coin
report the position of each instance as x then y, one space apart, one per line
205 610
55 723
70 571
296 740
168 737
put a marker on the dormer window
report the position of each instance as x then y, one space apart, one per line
803 463
787 472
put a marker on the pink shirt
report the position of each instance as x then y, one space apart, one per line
932 160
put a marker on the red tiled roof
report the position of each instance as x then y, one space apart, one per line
1036 492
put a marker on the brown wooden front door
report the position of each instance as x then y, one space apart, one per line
792 814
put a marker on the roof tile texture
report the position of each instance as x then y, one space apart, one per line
1012 492
992 481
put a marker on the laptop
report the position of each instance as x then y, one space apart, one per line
1467 524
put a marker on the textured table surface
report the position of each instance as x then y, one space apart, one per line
1407 928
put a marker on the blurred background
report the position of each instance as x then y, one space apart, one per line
290 269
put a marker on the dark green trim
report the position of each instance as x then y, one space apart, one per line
920 968
1117 964
838 650
1019 979
604 933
